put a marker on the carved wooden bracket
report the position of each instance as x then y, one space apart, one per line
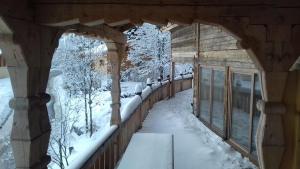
270 135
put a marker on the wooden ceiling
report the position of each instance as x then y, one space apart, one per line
120 13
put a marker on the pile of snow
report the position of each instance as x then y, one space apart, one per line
183 68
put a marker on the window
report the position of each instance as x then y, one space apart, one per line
228 105
212 89
205 80
218 100
241 96
244 116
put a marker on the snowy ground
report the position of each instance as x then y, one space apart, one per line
6 94
195 146
6 118
101 117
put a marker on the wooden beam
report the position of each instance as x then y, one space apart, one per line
47 13
103 31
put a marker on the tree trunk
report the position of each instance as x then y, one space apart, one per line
85 107
85 112
90 106
91 118
61 164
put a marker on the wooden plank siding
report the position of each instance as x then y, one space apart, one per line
212 48
2 62
183 43
216 47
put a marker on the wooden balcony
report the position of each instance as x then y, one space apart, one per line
115 142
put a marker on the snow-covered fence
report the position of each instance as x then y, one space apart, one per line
111 149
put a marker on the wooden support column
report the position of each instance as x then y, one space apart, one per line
196 67
270 135
28 50
297 148
276 48
172 87
115 54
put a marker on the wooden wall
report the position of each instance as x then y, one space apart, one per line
2 62
216 46
183 43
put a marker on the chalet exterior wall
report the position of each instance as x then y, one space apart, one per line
216 47
213 50
184 43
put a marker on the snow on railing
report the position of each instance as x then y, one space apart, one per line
184 76
91 147
133 104
137 100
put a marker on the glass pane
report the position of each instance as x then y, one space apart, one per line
205 93
241 94
218 100
256 112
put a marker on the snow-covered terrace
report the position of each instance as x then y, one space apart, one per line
195 146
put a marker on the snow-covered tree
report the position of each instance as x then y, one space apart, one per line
149 53
60 147
77 59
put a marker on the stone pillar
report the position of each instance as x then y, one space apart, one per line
28 50
115 53
172 77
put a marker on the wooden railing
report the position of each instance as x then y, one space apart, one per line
109 153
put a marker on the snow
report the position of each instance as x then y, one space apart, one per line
133 103
86 147
6 94
6 120
183 68
149 53
184 76
148 151
195 146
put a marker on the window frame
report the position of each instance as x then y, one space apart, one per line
242 149
209 124
228 80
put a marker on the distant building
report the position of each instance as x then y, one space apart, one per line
101 65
